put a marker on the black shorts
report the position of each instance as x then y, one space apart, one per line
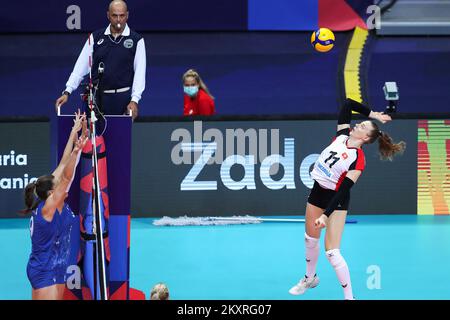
321 197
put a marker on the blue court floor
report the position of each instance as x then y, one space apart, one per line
389 256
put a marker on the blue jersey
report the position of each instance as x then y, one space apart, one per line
50 246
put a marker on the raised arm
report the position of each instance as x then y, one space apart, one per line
56 199
345 115
77 125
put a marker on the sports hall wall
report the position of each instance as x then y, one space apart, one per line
179 15
167 179
249 73
256 58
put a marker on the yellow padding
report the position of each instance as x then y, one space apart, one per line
352 64
359 38
353 59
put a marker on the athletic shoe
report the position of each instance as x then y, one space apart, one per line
303 284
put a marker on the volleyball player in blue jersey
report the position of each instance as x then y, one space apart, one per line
52 220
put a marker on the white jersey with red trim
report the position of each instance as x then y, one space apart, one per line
335 161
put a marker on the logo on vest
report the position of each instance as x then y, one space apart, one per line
128 43
99 42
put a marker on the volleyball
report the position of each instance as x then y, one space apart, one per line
323 40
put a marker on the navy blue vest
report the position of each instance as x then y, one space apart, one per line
117 56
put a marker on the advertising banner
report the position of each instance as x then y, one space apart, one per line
24 156
224 168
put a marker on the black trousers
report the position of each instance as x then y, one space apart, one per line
321 198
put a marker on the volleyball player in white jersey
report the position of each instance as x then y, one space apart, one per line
335 171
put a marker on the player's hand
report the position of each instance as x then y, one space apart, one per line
133 107
321 222
84 129
60 101
78 121
382 117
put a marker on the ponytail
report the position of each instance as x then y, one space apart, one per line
35 192
387 148
30 198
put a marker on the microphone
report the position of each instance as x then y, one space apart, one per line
119 26
101 68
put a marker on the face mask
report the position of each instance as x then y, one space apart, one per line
191 91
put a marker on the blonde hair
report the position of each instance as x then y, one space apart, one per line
159 292
194 74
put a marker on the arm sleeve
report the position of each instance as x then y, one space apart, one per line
345 115
140 64
343 192
81 66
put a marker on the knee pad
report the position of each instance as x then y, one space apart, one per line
311 242
335 258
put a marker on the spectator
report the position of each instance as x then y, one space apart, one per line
159 292
198 101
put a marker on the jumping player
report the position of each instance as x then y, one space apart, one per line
52 220
335 172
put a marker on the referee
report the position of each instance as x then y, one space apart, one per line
118 65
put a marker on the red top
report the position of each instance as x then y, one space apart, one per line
200 105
